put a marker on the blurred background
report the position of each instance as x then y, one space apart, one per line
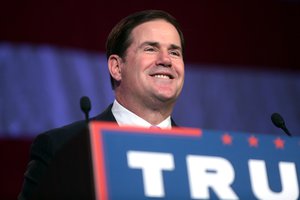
242 64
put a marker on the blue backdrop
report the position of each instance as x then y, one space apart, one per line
41 87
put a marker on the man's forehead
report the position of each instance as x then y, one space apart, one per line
158 44
156 31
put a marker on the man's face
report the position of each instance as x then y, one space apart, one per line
153 68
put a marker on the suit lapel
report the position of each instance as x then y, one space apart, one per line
106 115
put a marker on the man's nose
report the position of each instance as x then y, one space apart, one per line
164 59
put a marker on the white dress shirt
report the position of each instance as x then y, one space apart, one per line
125 117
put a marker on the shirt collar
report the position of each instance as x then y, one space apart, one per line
125 117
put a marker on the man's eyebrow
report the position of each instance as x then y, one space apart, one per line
149 43
156 44
174 46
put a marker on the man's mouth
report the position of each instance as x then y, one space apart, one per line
163 76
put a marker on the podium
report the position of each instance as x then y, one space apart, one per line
109 162
191 163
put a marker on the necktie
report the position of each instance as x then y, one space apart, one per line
154 127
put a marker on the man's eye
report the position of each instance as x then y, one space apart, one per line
149 49
175 53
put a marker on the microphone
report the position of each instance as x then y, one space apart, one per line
279 122
85 105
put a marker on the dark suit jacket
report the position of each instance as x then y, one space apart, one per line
60 165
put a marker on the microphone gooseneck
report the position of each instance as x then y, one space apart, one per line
85 105
278 121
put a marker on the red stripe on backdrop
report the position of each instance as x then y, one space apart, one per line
14 156
243 33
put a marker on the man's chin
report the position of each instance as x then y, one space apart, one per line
167 98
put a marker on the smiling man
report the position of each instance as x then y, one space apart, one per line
149 77
145 60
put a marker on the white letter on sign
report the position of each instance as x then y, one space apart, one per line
259 180
151 165
214 172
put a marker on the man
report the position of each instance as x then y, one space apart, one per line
145 61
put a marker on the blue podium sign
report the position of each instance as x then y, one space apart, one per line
190 163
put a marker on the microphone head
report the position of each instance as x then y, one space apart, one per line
85 104
277 120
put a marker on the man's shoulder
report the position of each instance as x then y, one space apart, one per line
66 130
54 139
59 136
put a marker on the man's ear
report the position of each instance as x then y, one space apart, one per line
114 67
